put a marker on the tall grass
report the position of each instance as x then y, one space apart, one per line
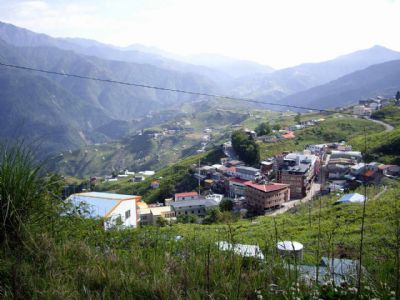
75 258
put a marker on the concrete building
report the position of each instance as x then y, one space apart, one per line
193 207
247 173
266 167
298 170
236 187
317 148
115 209
150 215
262 197
362 110
354 155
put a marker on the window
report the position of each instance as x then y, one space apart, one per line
192 211
127 214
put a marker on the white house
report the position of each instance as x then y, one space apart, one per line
116 209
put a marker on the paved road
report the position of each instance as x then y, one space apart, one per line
229 152
286 206
387 126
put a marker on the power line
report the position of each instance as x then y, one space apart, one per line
249 100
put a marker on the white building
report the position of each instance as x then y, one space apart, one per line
115 209
361 110
216 197
317 148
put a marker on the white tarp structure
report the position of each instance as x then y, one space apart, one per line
353 198
242 250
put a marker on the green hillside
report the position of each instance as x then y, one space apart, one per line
65 113
139 152
389 114
335 128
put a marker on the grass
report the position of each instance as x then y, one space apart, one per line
383 146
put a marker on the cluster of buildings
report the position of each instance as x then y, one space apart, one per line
130 211
342 168
257 190
288 133
132 176
367 107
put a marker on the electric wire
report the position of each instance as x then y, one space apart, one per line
249 100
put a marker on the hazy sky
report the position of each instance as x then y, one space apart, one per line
278 33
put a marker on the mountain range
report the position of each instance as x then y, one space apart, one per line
69 112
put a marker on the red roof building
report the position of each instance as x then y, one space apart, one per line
186 196
262 197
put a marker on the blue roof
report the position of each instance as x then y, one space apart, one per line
106 195
355 198
99 204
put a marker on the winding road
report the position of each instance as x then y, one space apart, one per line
387 126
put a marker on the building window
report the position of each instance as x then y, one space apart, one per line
127 214
192 211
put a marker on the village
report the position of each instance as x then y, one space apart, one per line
274 186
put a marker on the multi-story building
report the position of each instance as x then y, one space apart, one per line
236 187
247 173
298 170
362 110
262 197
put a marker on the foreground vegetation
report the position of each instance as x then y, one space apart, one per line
64 256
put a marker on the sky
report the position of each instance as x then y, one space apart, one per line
278 33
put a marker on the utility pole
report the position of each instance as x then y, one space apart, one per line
199 177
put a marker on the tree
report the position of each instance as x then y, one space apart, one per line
245 147
226 204
263 129
398 95
297 118
167 188
161 222
213 216
276 126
